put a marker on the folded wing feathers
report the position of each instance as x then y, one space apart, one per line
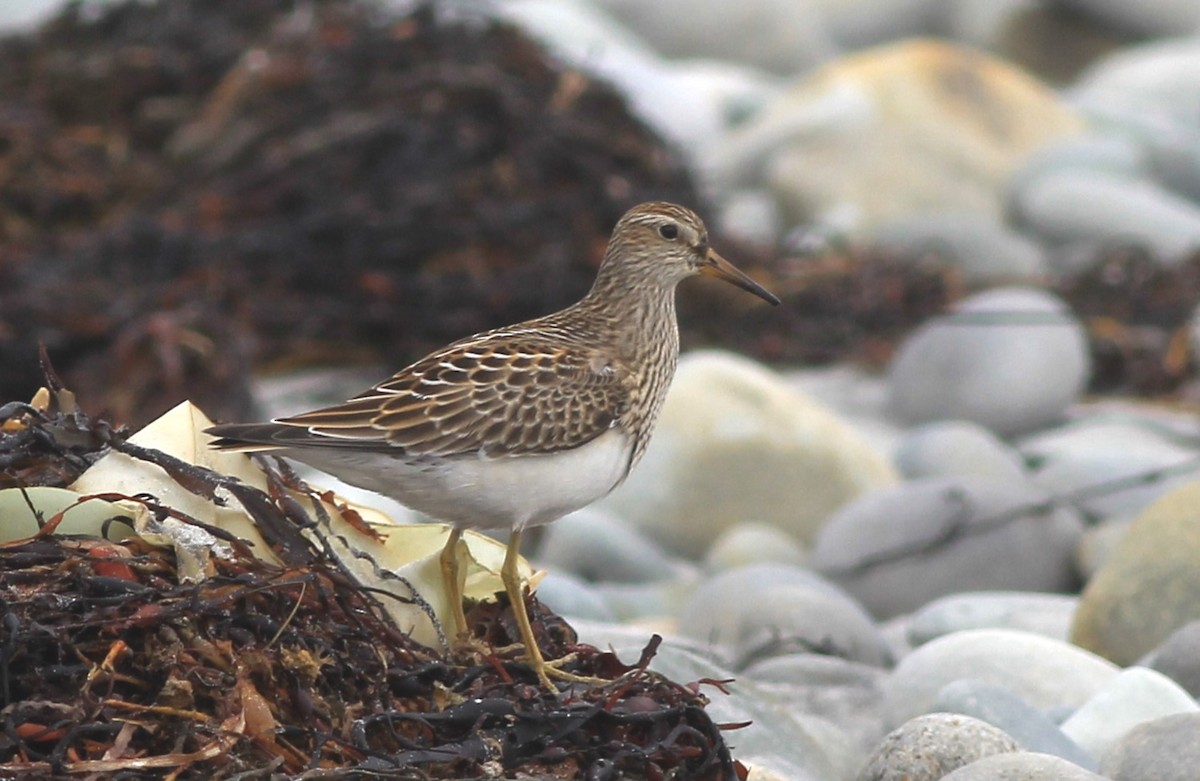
501 400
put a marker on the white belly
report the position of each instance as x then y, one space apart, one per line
478 492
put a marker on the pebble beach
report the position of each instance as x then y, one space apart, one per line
962 562
962 567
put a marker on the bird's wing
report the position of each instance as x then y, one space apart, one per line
493 397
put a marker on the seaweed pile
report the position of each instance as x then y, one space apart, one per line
113 666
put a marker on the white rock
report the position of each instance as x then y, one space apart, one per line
753 543
897 549
1098 208
1158 79
1011 360
1022 766
761 611
1165 749
957 448
735 443
1149 94
659 601
781 36
570 596
1133 697
1101 463
1109 152
1045 673
1048 615
886 133
857 396
599 546
714 97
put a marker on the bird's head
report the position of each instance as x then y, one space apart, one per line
665 243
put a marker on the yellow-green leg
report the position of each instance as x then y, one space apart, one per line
451 580
516 596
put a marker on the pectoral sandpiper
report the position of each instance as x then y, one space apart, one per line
519 426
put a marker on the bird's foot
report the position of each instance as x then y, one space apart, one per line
550 670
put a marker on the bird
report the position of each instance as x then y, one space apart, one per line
518 426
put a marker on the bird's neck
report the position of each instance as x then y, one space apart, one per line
644 335
640 315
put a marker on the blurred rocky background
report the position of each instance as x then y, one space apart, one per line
939 517
192 189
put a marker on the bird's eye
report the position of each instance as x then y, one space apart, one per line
669 231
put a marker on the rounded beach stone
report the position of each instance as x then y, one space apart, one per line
1094 207
928 747
1031 728
1178 658
1045 673
571 597
956 448
1049 615
847 694
777 35
1113 451
886 133
596 545
763 610
900 548
1135 696
1165 749
753 543
1151 87
1022 766
653 601
1149 586
1011 360
736 443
